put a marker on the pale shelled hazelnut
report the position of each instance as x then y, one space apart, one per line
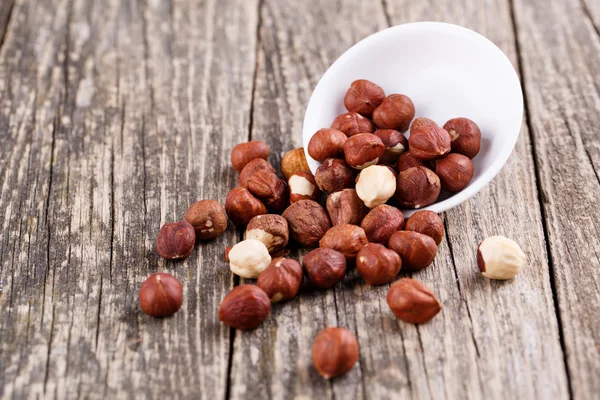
376 185
345 207
271 229
499 257
302 186
249 258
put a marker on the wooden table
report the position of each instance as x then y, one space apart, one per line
116 115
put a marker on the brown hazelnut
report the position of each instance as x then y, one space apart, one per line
176 240
302 186
377 264
412 301
327 143
226 253
428 223
376 185
382 222
281 280
499 257
243 153
352 123
334 352
242 206
407 160
294 161
345 207
417 122
271 229
455 172
334 175
208 219
429 142
250 168
347 239
465 136
308 222
324 267
363 97
396 112
268 188
416 250
245 307
161 295
417 187
363 150
395 144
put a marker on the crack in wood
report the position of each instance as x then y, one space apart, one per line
6 9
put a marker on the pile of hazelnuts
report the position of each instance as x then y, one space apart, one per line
347 212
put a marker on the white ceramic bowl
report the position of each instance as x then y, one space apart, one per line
448 71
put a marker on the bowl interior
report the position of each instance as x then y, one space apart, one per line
448 71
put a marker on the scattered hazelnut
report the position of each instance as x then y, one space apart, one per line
499 257
455 172
249 258
226 253
395 144
363 97
416 250
465 136
429 142
245 307
294 161
345 207
176 240
327 143
334 175
381 223
281 280
421 122
250 168
407 160
412 301
242 206
208 219
396 112
271 229
377 264
243 153
376 185
161 295
417 187
308 222
347 239
352 123
363 150
334 352
302 186
428 223
268 188
324 267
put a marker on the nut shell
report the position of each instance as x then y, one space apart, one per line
416 250
352 123
294 161
376 185
345 207
455 172
363 97
281 280
363 150
334 352
347 239
308 222
377 264
302 186
412 301
429 142
249 258
161 295
176 240
334 175
242 206
396 112
417 187
324 267
245 307
327 143
465 136
243 153
499 257
271 229
428 223
417 122
381 223
208 218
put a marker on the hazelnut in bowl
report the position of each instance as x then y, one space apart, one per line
436 70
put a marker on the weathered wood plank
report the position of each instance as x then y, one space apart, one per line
5 12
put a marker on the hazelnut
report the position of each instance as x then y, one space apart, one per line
429 142
308 222
302 186
327 143
243 153
416 250
428 223
334 352
324 267
208 219
347 239
352 123
376 185
407 160
281 280
161 295
294 161
417 122
241 206
363 150
465 136
395 144
250 168
412 301
377 264
345 207
499 257
417 187
268 188
176 240
396 112
363 97
245 307
249 258
271 229
226 253
455 172
381 223
334 175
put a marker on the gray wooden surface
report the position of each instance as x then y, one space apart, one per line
116 115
